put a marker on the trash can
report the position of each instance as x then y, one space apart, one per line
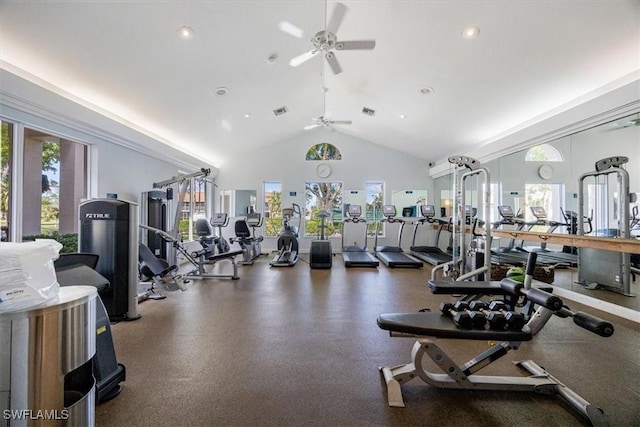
46 376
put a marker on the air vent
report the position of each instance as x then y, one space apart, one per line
280 111
368 111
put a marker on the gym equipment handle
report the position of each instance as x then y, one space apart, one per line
201 252
534 295
593 324
531 263
545 299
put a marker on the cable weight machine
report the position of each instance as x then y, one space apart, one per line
183 186
599 268
465 168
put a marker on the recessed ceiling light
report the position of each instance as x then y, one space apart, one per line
470 32
247 115
427 90
402 116
221 91
185 33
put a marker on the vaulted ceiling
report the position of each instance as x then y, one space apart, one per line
434 92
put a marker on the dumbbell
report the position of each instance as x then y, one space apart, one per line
497 320
515 321
477 317
461 319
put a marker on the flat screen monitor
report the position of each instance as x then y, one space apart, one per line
354 211
389 210
428 211
506 211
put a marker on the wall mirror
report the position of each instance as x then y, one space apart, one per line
238 203
407 202
548 176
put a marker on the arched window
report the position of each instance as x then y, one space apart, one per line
543 153
323 151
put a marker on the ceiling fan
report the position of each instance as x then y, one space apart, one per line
323 121
325 41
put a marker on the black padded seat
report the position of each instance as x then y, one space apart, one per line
242 229
156 266
439 326
78 269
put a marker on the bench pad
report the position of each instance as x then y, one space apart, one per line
440 326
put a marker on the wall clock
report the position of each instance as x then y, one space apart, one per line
323 170
545 171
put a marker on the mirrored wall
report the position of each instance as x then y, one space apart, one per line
554 178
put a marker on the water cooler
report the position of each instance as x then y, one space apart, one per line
45 361
109 228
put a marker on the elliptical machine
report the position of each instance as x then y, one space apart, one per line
288 238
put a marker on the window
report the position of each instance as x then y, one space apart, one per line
323 196
323 151
374 200
543 153
6 151
194 205
54 182
272 208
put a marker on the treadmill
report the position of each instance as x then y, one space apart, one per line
393 256
509 254
430 254
545 255
355 255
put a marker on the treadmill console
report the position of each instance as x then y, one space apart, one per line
354 211
427 211
389 211
539 212
506 212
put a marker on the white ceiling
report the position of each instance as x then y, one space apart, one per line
125 59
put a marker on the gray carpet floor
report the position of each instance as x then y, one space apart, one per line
300 347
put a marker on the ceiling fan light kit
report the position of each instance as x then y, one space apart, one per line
326 41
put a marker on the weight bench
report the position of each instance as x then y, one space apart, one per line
428 327
200 258
160 272
206 257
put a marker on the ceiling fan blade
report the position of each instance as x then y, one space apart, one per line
300 59
356 44
313 126
340 122
333 63
289 28
336 18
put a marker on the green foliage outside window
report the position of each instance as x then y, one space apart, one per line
323 151
69 242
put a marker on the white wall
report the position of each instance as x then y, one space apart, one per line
285 162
